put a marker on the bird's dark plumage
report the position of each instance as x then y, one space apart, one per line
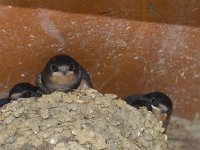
157 102
23 90
63 73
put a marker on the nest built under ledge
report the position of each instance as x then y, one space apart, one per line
82 120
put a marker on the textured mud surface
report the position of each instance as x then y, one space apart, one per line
184 134
84 120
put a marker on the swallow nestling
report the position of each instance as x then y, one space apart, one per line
157 102
23 90
63 73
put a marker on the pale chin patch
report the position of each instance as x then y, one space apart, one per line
60 73
57 74
156 108
161 108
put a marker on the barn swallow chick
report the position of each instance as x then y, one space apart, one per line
23 90
156 102
63 73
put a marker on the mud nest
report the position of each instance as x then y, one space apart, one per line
81 120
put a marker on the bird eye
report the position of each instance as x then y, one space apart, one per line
154 102
54 68
27 94
71 67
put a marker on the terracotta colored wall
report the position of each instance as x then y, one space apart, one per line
128 46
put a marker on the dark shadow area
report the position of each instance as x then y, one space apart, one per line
181 12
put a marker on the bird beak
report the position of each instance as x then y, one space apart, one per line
64 69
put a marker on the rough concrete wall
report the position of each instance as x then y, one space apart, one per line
128 46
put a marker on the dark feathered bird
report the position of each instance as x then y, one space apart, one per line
157 102
23 90
63 73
